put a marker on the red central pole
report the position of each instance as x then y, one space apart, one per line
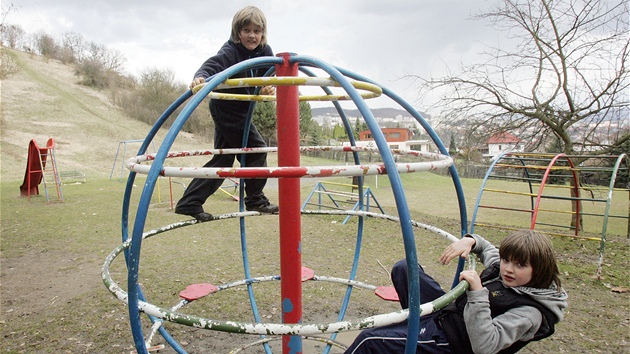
290 217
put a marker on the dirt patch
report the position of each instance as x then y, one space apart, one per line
40 280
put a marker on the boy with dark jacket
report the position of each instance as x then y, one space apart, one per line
248 40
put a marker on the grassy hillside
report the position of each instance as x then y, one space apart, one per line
43 100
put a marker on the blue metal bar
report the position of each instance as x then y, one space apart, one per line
481 188
397 188
129 188
366 196
137 330
361 219
133 254
241 205
115 159
145 198
602 243
438 142
311 195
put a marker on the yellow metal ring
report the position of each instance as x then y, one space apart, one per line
372 90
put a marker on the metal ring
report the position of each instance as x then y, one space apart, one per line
436 161
372 90
272 328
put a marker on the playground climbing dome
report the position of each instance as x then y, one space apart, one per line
556 193
288 72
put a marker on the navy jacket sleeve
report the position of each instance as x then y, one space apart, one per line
226 57
231 53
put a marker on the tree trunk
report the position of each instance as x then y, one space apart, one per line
577 220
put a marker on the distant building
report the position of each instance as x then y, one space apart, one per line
391 134
397 138
502 142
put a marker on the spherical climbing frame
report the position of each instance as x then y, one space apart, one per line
286 67
538 171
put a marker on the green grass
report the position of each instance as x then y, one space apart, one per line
71 239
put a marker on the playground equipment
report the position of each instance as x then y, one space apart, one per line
41 166
289 172
123 157
72 177
232 184
335 203
124 144
553 182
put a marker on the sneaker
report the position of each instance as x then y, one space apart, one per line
265 208
203 216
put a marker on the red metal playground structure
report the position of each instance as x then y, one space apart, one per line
41 166
557 193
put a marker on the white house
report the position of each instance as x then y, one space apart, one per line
417 145
502 142
397 138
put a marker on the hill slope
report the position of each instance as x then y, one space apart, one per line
43 100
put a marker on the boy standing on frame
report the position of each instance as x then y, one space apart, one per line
517 299
247 40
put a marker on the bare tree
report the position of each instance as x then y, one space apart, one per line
13 36
567 78
95 52
112 60
74 45
9 34
46 45
92 73
157 87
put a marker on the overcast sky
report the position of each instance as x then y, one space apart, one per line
381 40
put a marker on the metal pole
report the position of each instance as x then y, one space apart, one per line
290 217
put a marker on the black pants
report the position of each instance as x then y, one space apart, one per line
393 338
430 289
229 125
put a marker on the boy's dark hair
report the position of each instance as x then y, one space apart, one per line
535 248
245 16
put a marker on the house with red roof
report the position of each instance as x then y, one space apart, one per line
397 138
502 142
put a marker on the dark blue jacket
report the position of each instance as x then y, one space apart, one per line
233 53
501 300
